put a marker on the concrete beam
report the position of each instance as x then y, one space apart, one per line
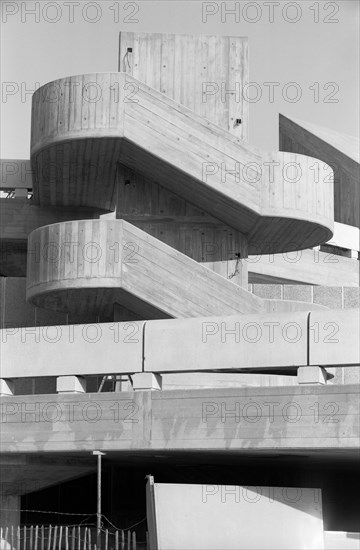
227 343
226 419
72 350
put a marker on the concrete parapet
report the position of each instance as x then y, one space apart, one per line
258 342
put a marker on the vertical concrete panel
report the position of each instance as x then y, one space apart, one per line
205 517
330 147
203 72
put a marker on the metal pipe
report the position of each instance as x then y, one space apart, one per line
99 454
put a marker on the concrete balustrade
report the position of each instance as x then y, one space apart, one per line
87 266
314 418
308 341
72 350
227 343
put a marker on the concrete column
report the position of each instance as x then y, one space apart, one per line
146 381
10 512
122 383
312 375
6 386
70 384
21 193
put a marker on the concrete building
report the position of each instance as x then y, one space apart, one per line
174 297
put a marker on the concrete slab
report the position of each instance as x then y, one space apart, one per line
70 350
310 418
232 342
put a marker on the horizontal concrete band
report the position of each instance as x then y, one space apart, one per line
321 338
240 419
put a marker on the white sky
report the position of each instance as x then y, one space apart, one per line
305 52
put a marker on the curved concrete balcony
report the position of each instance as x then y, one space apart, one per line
89 124
88 266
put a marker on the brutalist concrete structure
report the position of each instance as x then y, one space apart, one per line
152 307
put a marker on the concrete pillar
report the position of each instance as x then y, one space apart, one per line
70 384
123 383
6 387
10 512
146 381
21 193
312 375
